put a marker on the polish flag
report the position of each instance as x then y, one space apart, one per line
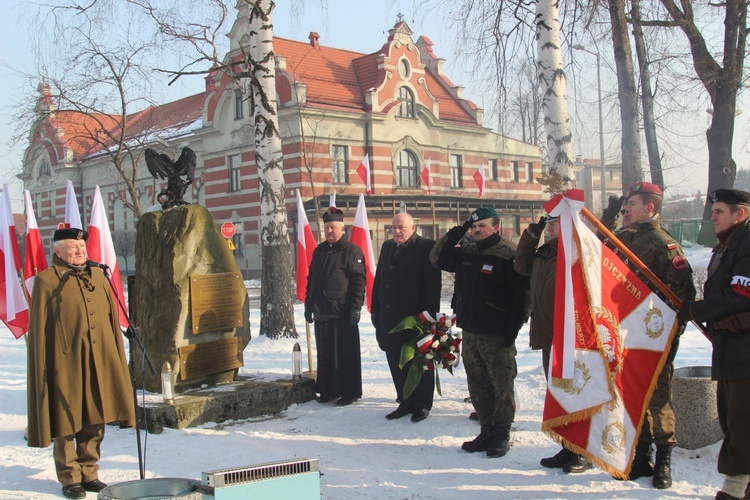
364 173
613 341
332 199
361 238
72 215
305 247
35 259
101 249
479 179
14 310
425 176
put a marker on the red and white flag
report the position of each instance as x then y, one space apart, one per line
14 310
35 260
364 173
612 338
425 177
361 238
101 249
72 214
332 199
479 179
305 247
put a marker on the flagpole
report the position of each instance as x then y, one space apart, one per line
309 351
639 265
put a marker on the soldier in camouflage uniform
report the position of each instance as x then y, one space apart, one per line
491 306
643 236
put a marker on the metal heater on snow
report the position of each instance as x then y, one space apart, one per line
298 479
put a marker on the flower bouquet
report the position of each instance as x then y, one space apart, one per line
432 345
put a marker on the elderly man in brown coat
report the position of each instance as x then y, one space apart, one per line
78 377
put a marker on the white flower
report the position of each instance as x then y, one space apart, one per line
452 348
428 355
448 323
435 344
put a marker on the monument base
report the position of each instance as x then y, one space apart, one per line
241 399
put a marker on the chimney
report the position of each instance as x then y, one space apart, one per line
314 39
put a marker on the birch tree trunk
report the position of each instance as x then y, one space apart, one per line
551 74
277 311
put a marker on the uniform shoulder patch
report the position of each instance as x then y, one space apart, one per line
680 262
672 245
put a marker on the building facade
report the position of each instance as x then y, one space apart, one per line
335 107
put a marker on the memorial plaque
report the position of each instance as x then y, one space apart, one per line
207 358
216 301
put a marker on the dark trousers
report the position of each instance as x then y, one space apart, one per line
339 359
734 417
423 394
78 461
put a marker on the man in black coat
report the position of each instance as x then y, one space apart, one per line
335 293
406 283
726 310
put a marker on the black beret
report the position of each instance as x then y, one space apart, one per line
730 196
70 233
333 214
482 213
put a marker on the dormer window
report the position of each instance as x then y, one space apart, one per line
404 69
43 168
406 96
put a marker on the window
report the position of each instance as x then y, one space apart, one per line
517 225
493 170
426 231
406 109
514 171
407 169
239 112
404 69
529 172
456 165
234 172
44 169
339 160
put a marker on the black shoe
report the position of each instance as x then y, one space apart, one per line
473 416
419 415
323 399
500 444
559 460
577 464
399 412
95 486
481 442
345 401
74 491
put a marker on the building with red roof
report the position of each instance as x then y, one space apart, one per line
335 106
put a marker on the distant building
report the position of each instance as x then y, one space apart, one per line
588 174
335 106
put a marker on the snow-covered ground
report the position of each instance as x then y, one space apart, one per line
361 453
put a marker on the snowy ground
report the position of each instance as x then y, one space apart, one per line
361 453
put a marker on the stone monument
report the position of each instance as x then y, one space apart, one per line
189 302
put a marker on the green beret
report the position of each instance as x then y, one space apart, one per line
70 233
482 213
333 214
730 196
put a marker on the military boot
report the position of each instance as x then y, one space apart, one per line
499 445
642 463
481 442
662 470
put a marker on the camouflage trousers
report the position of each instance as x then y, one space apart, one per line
490 371
658 426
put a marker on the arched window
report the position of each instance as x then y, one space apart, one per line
43 168
406 96
407 169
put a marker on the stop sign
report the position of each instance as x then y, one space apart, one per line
227 229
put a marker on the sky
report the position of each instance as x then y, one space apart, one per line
363 27
361 454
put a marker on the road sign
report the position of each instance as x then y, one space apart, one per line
227 229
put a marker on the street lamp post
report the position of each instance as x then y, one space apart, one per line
601 120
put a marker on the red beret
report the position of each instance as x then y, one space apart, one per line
643 188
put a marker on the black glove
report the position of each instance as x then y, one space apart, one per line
536 228
354 317
683 315
375 320
308 314
612 212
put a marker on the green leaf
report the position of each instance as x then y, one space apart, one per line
408 351
408 323
437 383
412 379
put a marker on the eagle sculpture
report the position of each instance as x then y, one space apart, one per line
179 175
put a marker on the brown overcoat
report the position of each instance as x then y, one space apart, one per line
77 371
